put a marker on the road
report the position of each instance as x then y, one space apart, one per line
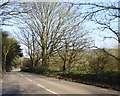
20 83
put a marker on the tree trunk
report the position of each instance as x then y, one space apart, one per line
32 62
44 48
4 64
64 66
44 56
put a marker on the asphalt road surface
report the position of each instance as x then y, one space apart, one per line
20 83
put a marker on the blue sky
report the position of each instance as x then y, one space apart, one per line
68 0
96 35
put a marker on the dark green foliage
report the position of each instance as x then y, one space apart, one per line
106 79
10 50
26 63
14 51
37 70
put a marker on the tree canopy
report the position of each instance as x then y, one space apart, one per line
10 50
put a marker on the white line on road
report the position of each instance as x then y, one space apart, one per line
21 75
46 88
41 86
29 79
50 91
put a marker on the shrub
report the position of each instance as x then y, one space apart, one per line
37 70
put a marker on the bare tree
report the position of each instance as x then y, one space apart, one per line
27 37
106 15
51 24
74 44
10 10
98 61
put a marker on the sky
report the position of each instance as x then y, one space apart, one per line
66 0
90 27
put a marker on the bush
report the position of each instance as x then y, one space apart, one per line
37 70
101 79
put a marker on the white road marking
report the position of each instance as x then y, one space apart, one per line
41 86
50 91
46 88
29 79
21 75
